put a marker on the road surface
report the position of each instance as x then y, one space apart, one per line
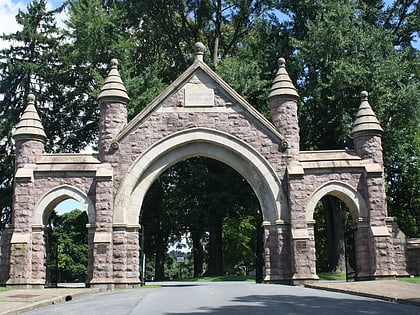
219 298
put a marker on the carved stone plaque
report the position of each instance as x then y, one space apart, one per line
199 97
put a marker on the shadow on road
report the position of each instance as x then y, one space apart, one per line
286 304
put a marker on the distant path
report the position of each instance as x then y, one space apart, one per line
233 298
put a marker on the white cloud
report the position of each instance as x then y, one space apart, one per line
8 11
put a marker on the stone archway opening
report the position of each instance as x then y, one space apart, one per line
66 243
200 218
336 210
334 229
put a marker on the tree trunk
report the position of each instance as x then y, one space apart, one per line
160 258
335 234
215 262
217 33
198 253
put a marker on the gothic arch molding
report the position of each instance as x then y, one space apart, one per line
53 197
352 198
200 142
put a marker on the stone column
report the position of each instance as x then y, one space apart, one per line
126 256
27 257
283 109
277 253
113 100
367 133
302 231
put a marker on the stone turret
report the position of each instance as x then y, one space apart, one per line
367 132
29 135
283 107
113 100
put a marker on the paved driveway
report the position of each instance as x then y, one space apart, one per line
232 298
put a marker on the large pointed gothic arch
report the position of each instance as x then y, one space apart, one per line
200 142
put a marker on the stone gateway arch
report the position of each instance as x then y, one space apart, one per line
199 115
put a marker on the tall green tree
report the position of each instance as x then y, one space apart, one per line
342 48
29 64
68 249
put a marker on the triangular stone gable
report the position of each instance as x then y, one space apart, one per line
200 89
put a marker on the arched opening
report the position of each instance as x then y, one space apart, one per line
66 240
201 218
64 213
334 240
336 208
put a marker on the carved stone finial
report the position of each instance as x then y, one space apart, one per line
113 88
30 98
282 84
282 62
366 121
364 96
30 126
199 49
114 63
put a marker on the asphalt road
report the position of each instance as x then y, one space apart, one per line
231 298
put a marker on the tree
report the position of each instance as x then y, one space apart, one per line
68 246
343 48
30 64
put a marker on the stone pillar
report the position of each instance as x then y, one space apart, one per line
27 247
113 100
126 256
102 248
302 230
277 253
367 134
283 109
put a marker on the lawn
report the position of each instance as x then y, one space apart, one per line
331 276
410 279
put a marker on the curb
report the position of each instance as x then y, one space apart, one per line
51 301
368 295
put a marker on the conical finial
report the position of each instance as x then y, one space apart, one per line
113 88
199 49
366 121
30 126
282 84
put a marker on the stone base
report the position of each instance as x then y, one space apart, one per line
302 279
277 279
25 285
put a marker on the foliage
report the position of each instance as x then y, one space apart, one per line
67 259
194 195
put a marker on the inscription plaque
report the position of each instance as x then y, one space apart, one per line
199 97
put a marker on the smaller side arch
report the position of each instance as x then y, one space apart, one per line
352 198
56 195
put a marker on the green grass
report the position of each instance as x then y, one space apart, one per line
411 280
331 276
4 289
